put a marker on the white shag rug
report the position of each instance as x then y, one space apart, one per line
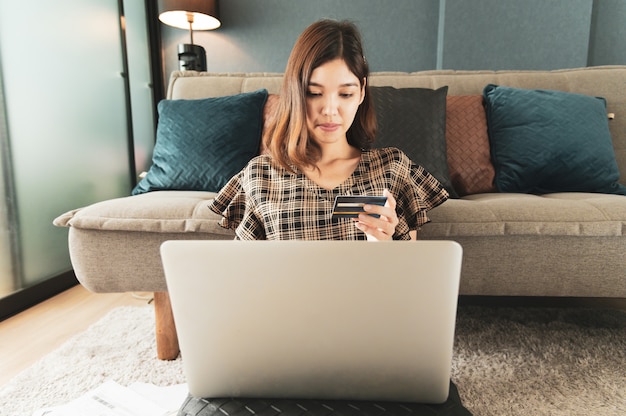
507 361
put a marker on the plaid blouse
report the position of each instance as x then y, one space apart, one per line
267 202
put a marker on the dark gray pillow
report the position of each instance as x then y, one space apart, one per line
414 121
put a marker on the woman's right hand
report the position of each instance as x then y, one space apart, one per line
382 228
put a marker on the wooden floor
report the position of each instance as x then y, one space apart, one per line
28 336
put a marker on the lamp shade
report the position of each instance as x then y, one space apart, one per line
200 14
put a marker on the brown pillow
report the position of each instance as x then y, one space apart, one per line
469 157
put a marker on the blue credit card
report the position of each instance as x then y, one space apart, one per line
350 206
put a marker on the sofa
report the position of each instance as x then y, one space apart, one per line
525 230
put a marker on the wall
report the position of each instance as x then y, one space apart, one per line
529 34
413 35
258 35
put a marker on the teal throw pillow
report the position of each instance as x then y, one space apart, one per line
545 141
202 143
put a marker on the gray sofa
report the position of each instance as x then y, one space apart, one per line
515 244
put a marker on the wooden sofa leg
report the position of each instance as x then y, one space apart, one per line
166 337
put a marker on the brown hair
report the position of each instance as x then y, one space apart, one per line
287 137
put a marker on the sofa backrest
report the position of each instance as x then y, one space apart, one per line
604 81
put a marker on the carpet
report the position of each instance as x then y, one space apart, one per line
507 361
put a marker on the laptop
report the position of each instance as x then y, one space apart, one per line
315 319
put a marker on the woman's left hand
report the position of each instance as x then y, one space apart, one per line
382 228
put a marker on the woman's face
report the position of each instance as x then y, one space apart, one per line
333 97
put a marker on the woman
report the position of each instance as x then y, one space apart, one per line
319 147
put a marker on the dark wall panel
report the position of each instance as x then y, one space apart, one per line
513 34
607 45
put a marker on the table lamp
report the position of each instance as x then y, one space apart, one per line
192 15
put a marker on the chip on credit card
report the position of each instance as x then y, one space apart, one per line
350 206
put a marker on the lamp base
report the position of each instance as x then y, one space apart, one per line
191 57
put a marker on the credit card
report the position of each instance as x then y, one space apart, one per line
350 206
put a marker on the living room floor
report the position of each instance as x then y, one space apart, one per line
30 335
35 332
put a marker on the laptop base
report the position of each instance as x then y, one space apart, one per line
291 407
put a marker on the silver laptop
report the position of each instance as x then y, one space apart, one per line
315 319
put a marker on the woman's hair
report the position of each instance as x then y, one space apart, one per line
287 137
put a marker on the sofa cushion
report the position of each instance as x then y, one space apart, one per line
155 212
546 141
202 143
414 120
479 215
469 158
508 214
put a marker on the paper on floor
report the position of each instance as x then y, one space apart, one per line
113 399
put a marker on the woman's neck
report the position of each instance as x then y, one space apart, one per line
335 166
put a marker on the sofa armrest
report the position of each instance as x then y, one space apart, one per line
158 212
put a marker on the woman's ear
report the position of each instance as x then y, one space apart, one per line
363 90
